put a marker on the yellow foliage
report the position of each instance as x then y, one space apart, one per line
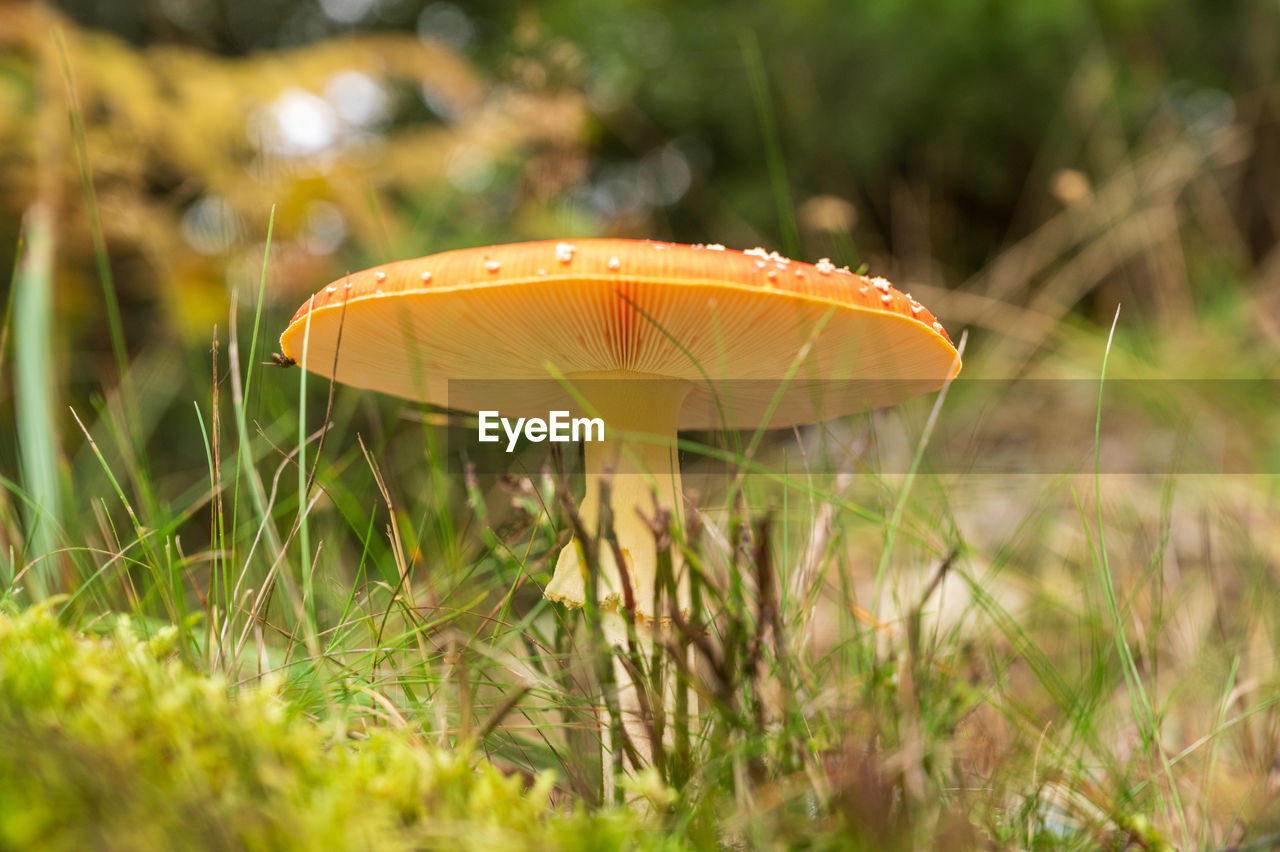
166 126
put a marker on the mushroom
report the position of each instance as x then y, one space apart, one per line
648 332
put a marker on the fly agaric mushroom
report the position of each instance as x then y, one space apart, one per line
648 329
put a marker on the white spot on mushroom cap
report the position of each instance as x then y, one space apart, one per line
426 276
492 265
614 264
564 252
380 275
937 326
825 266
715 247
331 289
770 256
886 298
881 284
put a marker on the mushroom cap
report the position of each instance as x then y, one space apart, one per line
733 324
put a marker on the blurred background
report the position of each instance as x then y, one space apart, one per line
932 141
1023 168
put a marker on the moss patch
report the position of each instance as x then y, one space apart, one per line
109 743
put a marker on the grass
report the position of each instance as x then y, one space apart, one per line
33 379
305 629
1033 684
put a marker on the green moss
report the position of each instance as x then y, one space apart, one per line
109 743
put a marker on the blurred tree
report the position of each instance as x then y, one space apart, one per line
364 143
943 129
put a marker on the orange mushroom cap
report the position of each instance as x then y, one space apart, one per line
702 314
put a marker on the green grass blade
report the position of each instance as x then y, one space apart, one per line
6 323
36 398
240 402
759 81
111 303
129 434
899 508
303 527
169 582
1143 713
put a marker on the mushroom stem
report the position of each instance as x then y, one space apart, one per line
638 458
